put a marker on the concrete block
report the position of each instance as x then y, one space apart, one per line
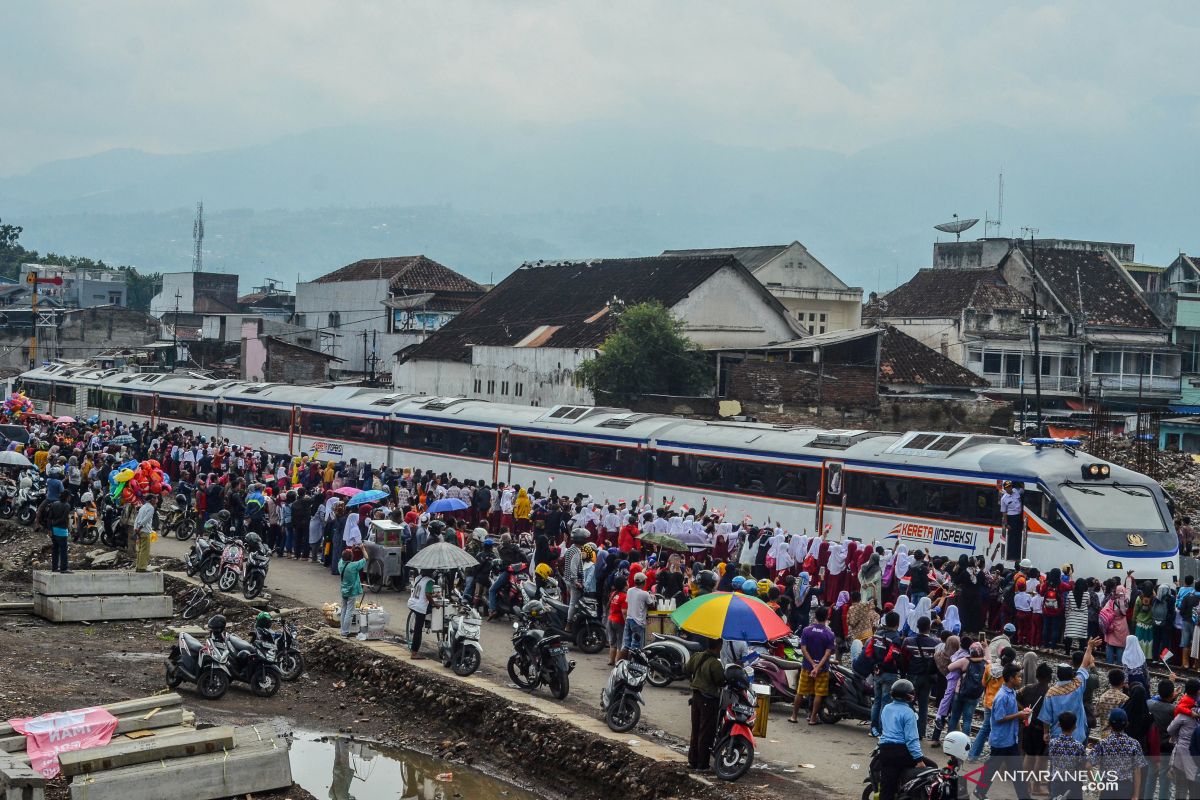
138 721
125 752
17 607
18 780
247 769
102 608
126 707
96 582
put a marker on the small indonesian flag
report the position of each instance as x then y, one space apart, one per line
1166 655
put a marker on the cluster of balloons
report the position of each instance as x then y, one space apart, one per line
131 481
17 405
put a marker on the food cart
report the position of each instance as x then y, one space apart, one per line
385 555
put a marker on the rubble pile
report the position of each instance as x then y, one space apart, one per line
1179 472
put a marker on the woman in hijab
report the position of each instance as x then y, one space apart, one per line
1118 629
801 601
968 597
850 576
902 607
951 621
1133 660
835 570
923 608
870 578
837 620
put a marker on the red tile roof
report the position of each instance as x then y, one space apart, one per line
405 274
1091 286
903 359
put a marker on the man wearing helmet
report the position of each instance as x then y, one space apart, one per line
573 572
900 742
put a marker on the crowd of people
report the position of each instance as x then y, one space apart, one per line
915 625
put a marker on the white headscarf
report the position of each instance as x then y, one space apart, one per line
798 547
1133 657
837 558
814 548
902 608
902 560
921 609
951 622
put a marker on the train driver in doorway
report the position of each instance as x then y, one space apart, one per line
1013 508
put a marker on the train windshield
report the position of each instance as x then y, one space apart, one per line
1123 507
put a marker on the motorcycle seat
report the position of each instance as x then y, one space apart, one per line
915 772
191 641
688 643
782 663
239 645
557 606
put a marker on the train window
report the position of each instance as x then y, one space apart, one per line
432 438
469 443
890 493
796 482
749 476
36 390
567 455
601 459
487 445
985 507
64 393
400 434
528 450
939 499
706 471
670 468
144 405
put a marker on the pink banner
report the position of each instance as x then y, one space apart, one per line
62 731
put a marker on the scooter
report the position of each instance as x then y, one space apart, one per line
588 634
850 696
86 529
255 572
232 558
460 649
287 646
621 698
28 500
8 499
256 664
204 558
917 783
179 519
200 663
733 747
668 655
540 658
772 671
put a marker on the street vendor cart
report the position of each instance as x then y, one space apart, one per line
385 555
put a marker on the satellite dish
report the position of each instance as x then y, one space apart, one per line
957 226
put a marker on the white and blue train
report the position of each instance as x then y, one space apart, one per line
936 491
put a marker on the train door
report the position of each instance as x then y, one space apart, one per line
293 429
154 411
502 460
831 501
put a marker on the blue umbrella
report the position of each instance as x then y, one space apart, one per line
93 419
367 496
446 504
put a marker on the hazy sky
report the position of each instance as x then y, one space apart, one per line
81 77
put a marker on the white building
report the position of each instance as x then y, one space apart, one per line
815 297
525 340
378 306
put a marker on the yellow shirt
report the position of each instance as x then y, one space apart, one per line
40 458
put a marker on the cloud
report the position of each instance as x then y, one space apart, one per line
180 77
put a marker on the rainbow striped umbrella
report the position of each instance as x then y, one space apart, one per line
726 615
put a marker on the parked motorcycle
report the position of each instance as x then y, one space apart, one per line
287 647
179 519
733 747
204 559
255 566
924 782
112 534
621 698
28 501
87 526
668 655
588 632
8 499
232 558
200 663
772 671
460 649
255 664
850 696
539 657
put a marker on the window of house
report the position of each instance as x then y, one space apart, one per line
991 363
975 356
519 389
1069 366
335 319
812 317
478 385
1046 365
1106 361
810 330
821 329
822 318
491 387
1189 342
503 387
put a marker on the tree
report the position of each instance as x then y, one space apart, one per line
12 254
648 353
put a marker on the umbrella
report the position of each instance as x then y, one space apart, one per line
64 420
366 496
446 504
16 433
442 555
11 458
663 540
722 615
348 491
124 438
93 419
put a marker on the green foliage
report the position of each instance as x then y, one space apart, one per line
648 353
139 288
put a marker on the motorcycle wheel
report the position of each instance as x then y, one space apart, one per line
265 683
560 685
291 664
830 713
173 676
466 662
88 535
869 793
107 539
7 508
623 715
516 673
253 586
660 674
212 684
210 570
26 515
590 639
732 758
186 529
227 580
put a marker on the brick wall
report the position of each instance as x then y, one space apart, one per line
780 382
294 365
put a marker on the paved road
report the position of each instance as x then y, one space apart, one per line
839 754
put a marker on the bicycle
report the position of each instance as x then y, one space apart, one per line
201 599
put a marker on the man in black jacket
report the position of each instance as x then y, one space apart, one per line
918 585
919 669
57 515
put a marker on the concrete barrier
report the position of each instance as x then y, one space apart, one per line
102 608
128 752
96 582
19 781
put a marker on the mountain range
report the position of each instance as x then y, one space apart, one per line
483 201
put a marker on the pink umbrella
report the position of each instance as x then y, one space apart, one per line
347 491
64 420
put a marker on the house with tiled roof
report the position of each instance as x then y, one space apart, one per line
816 298
1177 304
368 310
1099 338
523 341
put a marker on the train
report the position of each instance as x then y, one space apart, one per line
936 491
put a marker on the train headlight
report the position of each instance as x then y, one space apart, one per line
1114 565
1167 565
1094 472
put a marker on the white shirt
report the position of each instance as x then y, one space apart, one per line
1035 603
1021 601
144 521
506 502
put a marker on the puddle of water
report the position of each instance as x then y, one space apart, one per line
343 769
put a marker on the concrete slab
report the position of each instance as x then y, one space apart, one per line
126 753
138 721
96 582
247 769
103 608
17 607
125 707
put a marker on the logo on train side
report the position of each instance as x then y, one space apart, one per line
329 448
1135 539
934 533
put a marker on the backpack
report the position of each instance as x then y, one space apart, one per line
971 685
1051 602
1189 606
1106 616
884 654
1158 611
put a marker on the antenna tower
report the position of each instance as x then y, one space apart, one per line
988 222
198 239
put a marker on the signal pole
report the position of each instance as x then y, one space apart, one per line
175 332
1035 331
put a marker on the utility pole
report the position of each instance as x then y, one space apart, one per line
175 332
364 351
33 279
1035 331
374 356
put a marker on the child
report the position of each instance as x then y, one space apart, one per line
1035 617
1021 600
1067 757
